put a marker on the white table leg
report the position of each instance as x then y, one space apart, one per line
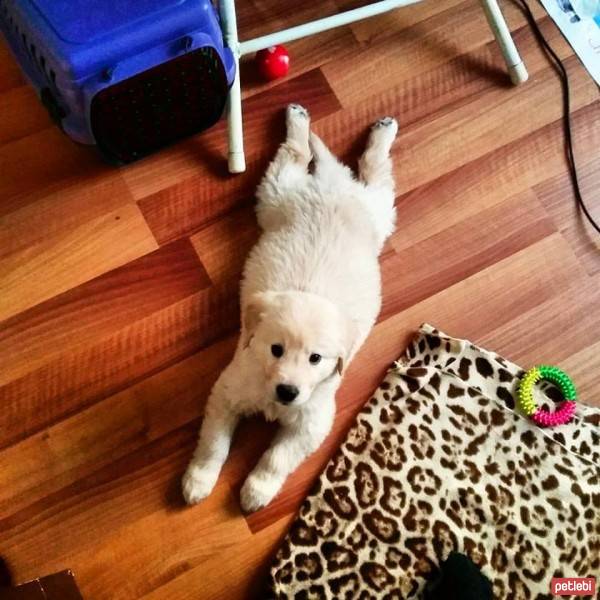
236 159
516 67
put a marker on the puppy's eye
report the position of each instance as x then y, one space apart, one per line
277 350
314 359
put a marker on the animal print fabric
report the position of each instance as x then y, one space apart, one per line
440 460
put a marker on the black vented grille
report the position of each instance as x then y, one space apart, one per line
20 36
157 107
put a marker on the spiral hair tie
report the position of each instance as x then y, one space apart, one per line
564 413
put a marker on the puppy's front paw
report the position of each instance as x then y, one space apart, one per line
197 484
257 492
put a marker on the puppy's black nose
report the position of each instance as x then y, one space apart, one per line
286 393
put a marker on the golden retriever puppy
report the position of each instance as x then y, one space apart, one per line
310 295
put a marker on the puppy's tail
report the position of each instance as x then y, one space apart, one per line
319 150
326 164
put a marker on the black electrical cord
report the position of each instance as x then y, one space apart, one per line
564 79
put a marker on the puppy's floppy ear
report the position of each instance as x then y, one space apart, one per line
253 314
350 337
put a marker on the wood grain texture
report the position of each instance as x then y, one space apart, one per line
72 257
118 287
398 40
104 305
23 113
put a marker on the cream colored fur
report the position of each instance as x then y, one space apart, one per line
311 286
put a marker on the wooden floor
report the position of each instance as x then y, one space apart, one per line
118 302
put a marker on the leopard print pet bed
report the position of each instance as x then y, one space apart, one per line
439 460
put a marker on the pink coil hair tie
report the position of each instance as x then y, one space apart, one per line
544 418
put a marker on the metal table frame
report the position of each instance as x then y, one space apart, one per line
236 159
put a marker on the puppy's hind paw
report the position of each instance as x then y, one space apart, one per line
197 484
385 122
383 133
296 111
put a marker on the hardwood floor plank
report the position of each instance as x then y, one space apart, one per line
61 262
259 17
306 54
199 200
239 575
582 368
397 48
132 513
501 292
223 246
386 26
503 172
10 74
135 496
75 448
456 81
32 219
461 250
557 195
96 309
140 484
429 95
22 113
427 151
553 331
48 158
80 378
157 552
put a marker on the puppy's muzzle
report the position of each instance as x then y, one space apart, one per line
286 393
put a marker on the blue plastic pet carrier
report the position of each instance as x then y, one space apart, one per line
128 75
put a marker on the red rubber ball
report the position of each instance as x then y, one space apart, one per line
273 62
